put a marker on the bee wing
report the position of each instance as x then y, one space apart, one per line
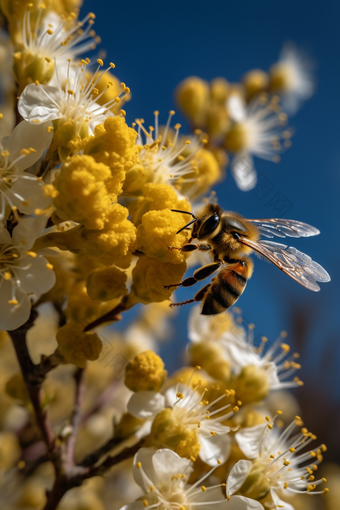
291 261
279 227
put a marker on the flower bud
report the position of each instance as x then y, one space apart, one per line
145 372
255 81
252 384
77 347
192 96
219 89
105 284
168 432
208 356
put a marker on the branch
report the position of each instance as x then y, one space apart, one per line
33 380
76 416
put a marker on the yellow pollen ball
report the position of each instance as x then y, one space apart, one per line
145 372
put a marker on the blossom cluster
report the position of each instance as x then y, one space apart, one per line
89 207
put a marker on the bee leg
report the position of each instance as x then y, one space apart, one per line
199 274
192 247
198 297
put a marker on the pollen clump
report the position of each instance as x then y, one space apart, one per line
107 283
77 347
156 197
83 196
252 384
157 233
150 276
145 372
168 432
113 144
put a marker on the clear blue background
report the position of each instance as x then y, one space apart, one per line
154 46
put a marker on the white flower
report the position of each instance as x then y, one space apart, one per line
163 477
194 412
18 152
74 101
55 36
275 464
256 131
292 78
22 271
237 347
162 156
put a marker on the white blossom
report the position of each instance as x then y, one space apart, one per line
23 271
163 477
276 460
18 152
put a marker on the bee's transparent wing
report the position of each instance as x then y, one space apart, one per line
291 261
279 227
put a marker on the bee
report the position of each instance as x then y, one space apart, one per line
231 238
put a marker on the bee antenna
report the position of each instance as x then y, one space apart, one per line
187 225
184 212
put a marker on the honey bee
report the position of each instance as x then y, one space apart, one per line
230 238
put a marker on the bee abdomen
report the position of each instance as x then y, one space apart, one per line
225 290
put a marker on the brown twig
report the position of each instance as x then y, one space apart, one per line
113 460
76 416
33 380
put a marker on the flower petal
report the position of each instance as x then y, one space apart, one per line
238 475
11 316
28 195
167 463
37 278
279 503
144 456
136 505
242 503
28 230
248 440
39 103
242 168
214 448
28 136
145 404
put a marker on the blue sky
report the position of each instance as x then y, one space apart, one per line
155 45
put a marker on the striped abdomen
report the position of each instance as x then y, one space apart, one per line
225 288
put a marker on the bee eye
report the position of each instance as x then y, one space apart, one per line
209 225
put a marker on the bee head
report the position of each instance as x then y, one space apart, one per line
235 228
208 221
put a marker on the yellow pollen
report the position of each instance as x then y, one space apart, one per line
50 129
203 488
139 465
100 62
32 150
272 456
286 463
171 112
312 454
197 367
311 478
49 31
270 426
70 91
37 82
193 459
279 412
218 461
25 152
12 302
5 154
152 488
324 479
267 418
213 433
145 503
1 115
292 450
325 491
311 487
323 447
236 409
32 254
179 395
285 485
49 266
285 347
